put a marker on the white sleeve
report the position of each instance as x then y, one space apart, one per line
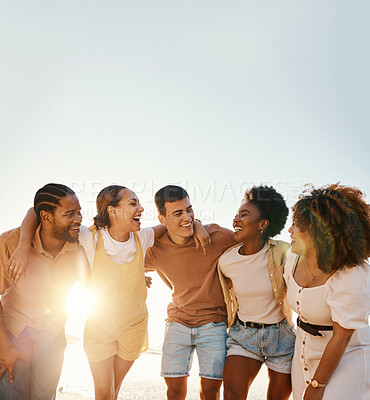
348 296
146 237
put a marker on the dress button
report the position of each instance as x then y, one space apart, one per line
302 357
300 290
304 342
297 302
307 382
305 368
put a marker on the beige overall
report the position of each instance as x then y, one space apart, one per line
118 323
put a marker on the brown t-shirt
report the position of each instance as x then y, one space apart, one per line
197 297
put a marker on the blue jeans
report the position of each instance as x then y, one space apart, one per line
35 378
179 344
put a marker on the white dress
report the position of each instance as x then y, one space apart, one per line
345 299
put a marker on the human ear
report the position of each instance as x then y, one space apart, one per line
45 216
162 219
264 223
111 211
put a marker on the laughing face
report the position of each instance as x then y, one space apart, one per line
128 211
248 223
66 219
301 240
178 220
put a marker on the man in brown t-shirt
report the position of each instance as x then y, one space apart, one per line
197 313
32 308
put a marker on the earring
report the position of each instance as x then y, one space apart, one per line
261 231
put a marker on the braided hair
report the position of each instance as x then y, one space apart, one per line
47 198
337 219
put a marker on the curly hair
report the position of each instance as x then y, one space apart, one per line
337 219
271 206
109 196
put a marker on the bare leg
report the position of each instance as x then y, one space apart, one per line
210 389
103 375
239 373
121 367
280 386
176 388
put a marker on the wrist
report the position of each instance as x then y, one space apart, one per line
316 384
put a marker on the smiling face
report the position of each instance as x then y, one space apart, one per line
66 219
178 220
248 223
301 241
126 215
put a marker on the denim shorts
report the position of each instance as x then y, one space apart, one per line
273 345
178 348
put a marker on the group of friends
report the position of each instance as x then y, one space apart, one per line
232 293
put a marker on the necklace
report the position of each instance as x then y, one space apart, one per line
314 277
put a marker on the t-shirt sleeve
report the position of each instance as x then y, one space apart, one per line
146 237
227 238
348 296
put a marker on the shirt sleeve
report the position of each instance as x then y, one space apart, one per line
290 261
146 237
149 261
348 296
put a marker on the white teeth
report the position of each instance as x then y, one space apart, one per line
237 228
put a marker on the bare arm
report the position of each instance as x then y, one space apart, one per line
159 230
331 357
17 263
9 354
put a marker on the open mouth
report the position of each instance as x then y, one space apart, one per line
137 219
238 228
75 229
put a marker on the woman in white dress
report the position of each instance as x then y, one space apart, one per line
329 288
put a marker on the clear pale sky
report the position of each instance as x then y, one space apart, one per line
212 95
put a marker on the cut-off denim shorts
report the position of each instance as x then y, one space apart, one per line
272 345
179 344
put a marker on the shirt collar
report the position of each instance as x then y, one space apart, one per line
37 244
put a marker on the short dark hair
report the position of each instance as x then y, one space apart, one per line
109 196
337 219
48 198
271 206
168 193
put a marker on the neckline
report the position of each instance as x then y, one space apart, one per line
264 248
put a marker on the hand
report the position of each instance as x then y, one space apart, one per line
312 393
201 237
17 263
148 281
9 354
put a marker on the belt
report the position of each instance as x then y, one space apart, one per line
254 325
313 330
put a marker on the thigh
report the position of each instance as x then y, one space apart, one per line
121 367
20 388
280 385
210 344
177 351
103 376
46 364
239 374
